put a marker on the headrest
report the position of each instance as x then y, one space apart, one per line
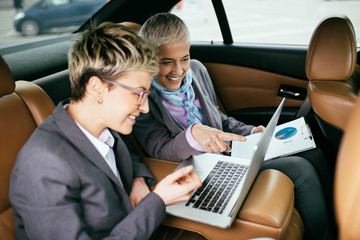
347 178
332 50
7 83
132 25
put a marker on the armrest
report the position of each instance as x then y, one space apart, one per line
270 199
268 210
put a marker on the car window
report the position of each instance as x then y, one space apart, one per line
200 17
39 19
265 21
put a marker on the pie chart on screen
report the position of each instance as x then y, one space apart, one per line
285 133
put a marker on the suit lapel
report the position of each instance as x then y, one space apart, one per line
164 115
204 99
74 134
201 95
123 161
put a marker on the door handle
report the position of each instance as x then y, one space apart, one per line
292 92
295 94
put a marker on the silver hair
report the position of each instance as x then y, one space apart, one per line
164 28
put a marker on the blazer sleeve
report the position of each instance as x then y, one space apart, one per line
232 125
47 196
158 140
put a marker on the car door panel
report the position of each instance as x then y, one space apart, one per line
248 79
241 87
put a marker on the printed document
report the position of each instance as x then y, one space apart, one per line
288 138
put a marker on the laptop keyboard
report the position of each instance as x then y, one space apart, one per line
218 187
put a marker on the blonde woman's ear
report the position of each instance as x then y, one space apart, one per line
96 88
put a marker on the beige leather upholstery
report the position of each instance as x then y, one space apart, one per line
347 179
241 87
23 106
268 210
330 66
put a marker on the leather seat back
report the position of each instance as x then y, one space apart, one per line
23 106
330 67
347 179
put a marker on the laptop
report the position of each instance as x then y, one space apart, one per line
226 182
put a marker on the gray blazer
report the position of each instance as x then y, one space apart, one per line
162 136
62 188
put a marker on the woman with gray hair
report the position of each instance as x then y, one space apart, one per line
184 120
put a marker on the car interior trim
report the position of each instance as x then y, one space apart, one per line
223 21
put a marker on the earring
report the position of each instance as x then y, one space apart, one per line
100 101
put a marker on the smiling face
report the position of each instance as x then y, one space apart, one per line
120 106
174 61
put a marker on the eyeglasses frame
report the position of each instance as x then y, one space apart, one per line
143 95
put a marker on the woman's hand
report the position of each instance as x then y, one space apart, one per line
259 128
212 139
178 186
138 191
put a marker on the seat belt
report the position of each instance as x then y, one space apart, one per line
305 108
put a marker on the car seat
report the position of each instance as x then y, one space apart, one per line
23 106
333 74
347 179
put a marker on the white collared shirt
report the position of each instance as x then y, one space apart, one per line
102 144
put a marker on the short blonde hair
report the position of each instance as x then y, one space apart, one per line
107 51
164 28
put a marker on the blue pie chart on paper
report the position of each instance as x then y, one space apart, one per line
285 133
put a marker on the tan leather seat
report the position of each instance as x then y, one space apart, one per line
334 79
23 106
347 179
268 210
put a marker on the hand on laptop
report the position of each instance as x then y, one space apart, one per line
212 139
178 186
